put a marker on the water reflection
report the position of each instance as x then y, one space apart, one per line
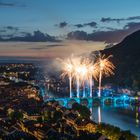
122 115
99 114
91 110
127 118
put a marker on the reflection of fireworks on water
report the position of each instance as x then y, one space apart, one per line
99 115
84 69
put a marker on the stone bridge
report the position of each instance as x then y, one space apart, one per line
89 102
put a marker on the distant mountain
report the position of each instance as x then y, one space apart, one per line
126 58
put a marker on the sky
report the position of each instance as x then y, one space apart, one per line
55 28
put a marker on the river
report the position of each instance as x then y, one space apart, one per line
127 118
124 117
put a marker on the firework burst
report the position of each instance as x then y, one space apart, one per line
106 68
84 69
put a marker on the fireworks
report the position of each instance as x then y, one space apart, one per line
84 69
105 65
105 69
68 70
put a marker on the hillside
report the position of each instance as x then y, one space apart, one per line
126 58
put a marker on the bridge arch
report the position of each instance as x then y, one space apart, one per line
96 101
62 101
84 101
72 101
89 102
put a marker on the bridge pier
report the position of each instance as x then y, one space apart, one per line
90 102
78 100
66 103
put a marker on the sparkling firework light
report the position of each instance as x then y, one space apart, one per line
84 69
68 70
105 69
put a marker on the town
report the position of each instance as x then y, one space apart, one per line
25 115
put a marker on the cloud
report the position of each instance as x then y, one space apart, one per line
91 24
44 47
77 35
7 36
2 30
37 36
5 29
11 28
109 28
62 24
54 45
109 19
9 4
133 18
37 48
111 36
79 25
132 25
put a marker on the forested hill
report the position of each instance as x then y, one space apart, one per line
126 58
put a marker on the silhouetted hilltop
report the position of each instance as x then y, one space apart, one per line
126 58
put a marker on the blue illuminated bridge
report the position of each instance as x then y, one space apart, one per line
114 101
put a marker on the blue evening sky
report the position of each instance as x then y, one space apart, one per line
31 15
59 19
